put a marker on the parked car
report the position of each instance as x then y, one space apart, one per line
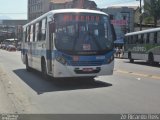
3 46
11 48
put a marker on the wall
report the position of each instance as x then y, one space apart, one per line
122 19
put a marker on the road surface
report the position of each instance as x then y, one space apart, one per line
133 88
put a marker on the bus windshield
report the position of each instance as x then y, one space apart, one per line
83 33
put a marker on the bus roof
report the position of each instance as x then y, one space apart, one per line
143 31
76 11
65 11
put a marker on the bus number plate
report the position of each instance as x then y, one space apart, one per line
87 69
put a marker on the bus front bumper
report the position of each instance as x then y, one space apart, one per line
61 71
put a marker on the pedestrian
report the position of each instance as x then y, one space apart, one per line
116 52
119 52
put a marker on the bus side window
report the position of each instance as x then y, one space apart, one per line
134 40
155 37
151 38
145 38
158 37
39 31
136 37
52 27
130 40
33 32
36 31
25 35
148 36
142 38
43 29
139 38
28 33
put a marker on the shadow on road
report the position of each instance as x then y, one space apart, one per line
34 80
143 63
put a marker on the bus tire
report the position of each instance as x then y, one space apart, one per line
156 63
27 65
150 59
131 60
44 69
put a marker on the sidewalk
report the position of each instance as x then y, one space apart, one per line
119 57
6 104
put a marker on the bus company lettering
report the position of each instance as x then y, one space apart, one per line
80 18
139 49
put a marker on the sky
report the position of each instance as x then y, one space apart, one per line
17 9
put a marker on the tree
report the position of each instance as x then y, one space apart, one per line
153 10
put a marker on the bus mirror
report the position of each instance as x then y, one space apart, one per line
52 27
113 32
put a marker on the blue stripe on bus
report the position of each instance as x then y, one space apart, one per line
92 60
82 60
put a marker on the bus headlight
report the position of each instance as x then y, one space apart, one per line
61 59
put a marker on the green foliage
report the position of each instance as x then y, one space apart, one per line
148 20
153 10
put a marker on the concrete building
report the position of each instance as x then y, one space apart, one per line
59 4
38 7
123 18
85 4
11 29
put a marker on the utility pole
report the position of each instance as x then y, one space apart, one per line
140 10
141 15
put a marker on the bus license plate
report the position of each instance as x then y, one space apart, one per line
87 69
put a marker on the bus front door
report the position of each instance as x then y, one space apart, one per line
50 45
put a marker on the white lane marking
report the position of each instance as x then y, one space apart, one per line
138 78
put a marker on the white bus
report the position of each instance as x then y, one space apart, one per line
143 45
69 43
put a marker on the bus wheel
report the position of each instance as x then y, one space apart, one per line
44 69
156 63
27 65
150 59
131 60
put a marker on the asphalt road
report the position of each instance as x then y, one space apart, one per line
134 88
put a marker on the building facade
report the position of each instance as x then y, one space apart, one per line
11 29
59 4
123 19
85 4
38 7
